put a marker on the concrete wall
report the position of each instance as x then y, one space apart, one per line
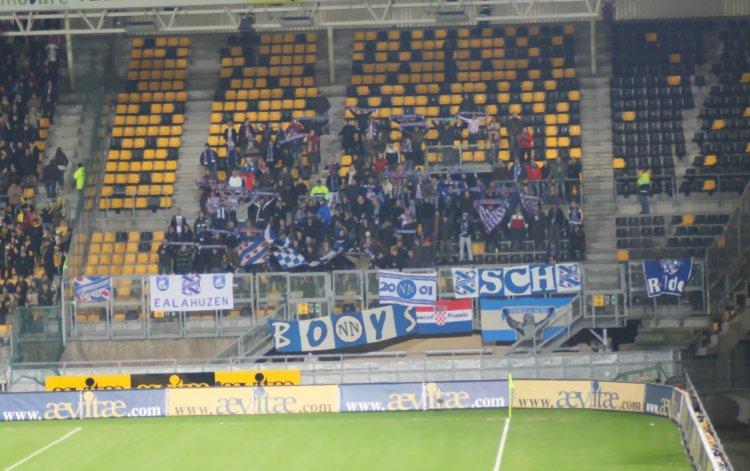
105 350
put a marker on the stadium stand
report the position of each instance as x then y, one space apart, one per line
142 160
440 73
123 253
645 237
722 164
267 94
653 68
440 98
34 232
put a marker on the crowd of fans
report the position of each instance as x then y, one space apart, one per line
34 236
384 208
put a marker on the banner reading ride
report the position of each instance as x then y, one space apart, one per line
253 401
191 292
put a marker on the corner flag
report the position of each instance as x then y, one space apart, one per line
510 394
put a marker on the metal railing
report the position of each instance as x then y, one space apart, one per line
728 257
611 293
96 93
336 368
713 449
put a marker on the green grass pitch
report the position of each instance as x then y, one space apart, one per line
447 440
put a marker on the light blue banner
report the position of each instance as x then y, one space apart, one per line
508 320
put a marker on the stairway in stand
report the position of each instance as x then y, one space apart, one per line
202 77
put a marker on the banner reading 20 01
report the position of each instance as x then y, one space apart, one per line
191 292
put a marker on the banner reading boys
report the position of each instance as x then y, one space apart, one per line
191 292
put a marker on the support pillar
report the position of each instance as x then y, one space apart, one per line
331 56
69 50
592 32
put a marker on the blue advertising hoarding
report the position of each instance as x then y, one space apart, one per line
659 400
439 395
83 405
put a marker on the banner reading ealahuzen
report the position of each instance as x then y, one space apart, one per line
82 405
424 396
253 401
603 395
191 292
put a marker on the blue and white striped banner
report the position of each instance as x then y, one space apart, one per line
407 288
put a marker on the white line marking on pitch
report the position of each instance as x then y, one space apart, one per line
502 445
45 448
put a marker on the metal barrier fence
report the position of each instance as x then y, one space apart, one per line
382 366
96 89
38 335
693 302
727 258
610 294
482 158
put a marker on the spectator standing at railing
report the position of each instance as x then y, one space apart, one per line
246 136
515 126
517 226
500 172
557 174
392 156
577 244
183 261
445 237
178 222
538 228
208 159
575 216
61 161
332 186
574 177
231 138
235 181
644 189
555 223
321 190
348 133
80 178
465 229
516 172
49 100
232 160
493 142
534 177
313 151
50 177
526 144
